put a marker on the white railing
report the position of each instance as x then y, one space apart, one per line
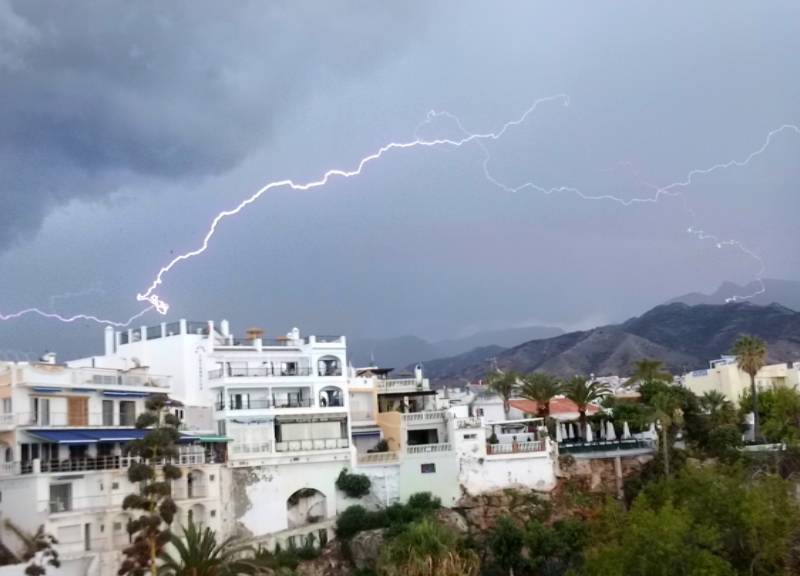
429 448
251 447
310 445
470 422
432 416
8 419
377 458
399 385
515 447
9 468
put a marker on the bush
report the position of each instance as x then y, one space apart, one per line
354 485
381 446
396 517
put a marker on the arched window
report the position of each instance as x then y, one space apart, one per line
331 397
306 506
329 366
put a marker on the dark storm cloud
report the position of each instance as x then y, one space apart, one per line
97 92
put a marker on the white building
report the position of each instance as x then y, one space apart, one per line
282 402
441 451
724 376
62 433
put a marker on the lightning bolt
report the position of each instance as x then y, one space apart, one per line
672 189
74 318
162 307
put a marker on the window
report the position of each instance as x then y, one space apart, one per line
213 513
115 485
427 468
211 478
117 526
108 412
480 412
40 410
7 406
240 401
77 411
60 497
127 413
470 436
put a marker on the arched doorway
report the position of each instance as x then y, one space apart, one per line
329 366
306 506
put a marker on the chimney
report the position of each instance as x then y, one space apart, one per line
225 328
109 340
48 358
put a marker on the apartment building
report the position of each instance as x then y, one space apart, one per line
63 431
283 404
723 375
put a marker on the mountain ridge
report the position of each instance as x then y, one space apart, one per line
685 337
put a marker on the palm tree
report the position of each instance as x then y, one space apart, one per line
751 355
199 554
540 388
667 410
582 393
505 385
647 371
37 548
713 401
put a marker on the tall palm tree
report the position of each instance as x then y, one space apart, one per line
667 410
751 353
505 385
199 554
649 370
540 388
582 393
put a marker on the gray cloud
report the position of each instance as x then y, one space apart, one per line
99 93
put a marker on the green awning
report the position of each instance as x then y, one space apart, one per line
212 439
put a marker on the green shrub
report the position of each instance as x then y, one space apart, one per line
354 485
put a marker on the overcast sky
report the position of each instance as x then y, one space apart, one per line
125 127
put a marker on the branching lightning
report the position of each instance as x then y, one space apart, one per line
673 189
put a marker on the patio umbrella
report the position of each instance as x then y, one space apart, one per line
626 431
602 430
589 433
559 437
611 434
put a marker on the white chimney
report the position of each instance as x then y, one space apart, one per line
49 358
109 340
418 373
225 328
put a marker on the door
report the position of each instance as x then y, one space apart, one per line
77 411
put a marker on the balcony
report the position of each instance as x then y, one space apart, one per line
312 445
75 418
467 423
245 449
399 385
425 417
260 372
515 447
266 404
429 449
97 464
377 458
607 446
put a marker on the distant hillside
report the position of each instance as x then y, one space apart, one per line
783 292
684 337
408 350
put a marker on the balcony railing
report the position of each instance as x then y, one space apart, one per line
266 403
327 339
245 448
470 422
100 463
399 385
310 445
422 417
606 446
515 447
377 458
77 418
260 372
429 448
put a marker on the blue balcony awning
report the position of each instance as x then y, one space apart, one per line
45 389
116 394
95 435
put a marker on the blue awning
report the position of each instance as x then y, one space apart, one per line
96 435
41 389
125 394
